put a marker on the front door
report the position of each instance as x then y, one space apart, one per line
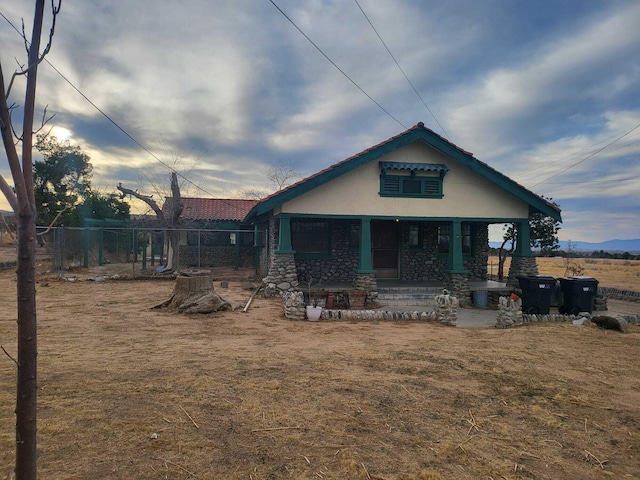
384 248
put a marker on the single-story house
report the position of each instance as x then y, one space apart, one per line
414 208
211 233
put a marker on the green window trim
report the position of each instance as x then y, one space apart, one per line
421 180
468 239
415 236
311 238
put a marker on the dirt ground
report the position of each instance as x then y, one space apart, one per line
127 392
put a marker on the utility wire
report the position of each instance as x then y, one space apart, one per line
571 156
400 68
587 157
114 122
336 66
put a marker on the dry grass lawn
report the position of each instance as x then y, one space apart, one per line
623 274
132 393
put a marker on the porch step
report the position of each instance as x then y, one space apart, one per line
408 296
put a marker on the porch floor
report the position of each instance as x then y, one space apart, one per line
489 285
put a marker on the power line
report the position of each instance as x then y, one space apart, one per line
587 157
336 66
570 156
403 72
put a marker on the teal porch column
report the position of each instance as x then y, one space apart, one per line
284 245
523 240
365 263
456 264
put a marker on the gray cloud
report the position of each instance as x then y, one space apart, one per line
529 87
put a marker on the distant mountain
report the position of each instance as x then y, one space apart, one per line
631 246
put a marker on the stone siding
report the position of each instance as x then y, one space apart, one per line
476 264
342 264
282 275
521 266
422 263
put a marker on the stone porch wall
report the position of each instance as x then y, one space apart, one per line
425 263
343 264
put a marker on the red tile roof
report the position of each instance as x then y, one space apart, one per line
212 209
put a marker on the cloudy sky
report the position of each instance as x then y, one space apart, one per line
547 92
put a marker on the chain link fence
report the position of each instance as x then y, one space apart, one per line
149 249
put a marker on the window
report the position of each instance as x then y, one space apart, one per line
467 240
415 237
444 238
310 236
405 186
423 180
354 236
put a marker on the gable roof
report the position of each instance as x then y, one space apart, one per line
212 209
416 133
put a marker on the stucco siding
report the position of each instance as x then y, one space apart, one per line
466 194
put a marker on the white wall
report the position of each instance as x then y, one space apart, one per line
466 194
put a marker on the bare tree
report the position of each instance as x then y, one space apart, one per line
169 222
282 174
21 199
279 174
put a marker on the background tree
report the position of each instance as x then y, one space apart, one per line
543 235
62 187
22 201
61 180
101 206
279 174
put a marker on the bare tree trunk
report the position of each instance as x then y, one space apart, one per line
26 402
169 222
21 199
27 388
502 257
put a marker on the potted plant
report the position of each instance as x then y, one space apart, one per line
313 310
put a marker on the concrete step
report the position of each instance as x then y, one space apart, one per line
408 296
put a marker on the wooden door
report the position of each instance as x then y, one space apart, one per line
385 248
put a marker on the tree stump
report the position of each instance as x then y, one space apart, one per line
194 293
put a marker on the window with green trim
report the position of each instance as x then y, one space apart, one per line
444 238
410 186
415 235
310 236
354 236
467 238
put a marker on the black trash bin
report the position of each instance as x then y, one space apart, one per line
536 293
578 294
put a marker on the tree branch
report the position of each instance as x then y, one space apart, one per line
146 199
8 192
7 228
20 196
66 207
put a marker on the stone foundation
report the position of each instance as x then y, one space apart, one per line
368 283
521 266
282 276
509 312
458 286
377 315
446 309
294 306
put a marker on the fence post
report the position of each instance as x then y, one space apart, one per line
85 243
199 248
236 256
144 252
101 248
